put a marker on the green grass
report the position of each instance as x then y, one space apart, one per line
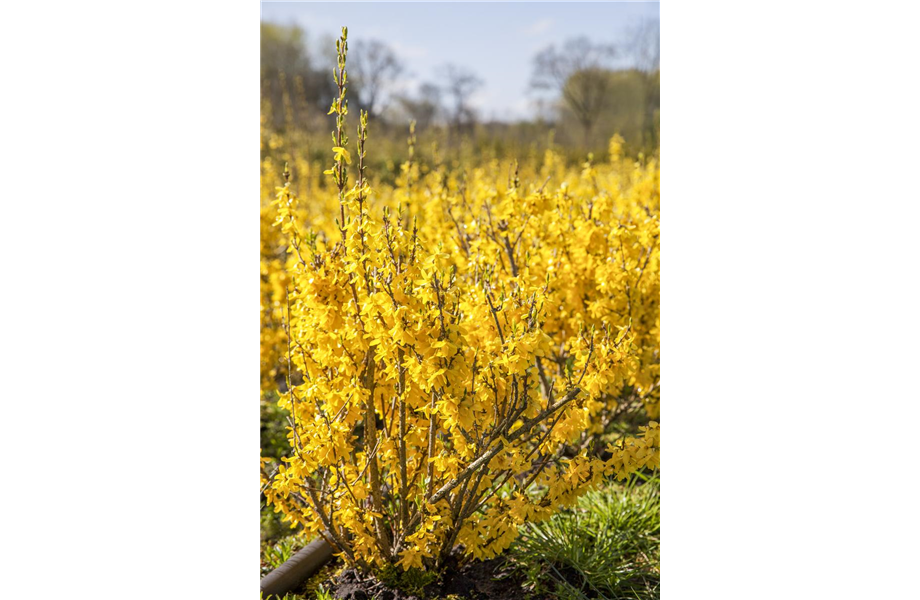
606 547
275 555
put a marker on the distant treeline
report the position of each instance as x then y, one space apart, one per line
584 93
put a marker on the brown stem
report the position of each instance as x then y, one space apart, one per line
403 476
370 429
494 450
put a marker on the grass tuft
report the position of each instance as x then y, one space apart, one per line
606 547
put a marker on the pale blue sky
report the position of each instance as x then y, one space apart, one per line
498 40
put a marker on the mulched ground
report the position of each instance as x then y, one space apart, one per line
477 580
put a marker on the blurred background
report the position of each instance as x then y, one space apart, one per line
494 79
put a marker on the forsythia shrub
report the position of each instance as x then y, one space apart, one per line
452 344
273 296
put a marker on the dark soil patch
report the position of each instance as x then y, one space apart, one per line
477 580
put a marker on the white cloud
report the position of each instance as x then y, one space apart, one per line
538 27
409 51
521 109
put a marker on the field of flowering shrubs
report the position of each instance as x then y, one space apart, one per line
454 350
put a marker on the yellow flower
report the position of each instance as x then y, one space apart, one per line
340 153
435 322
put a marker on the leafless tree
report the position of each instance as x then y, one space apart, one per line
425 107
579 71
375 68
288 70
644 51
460 84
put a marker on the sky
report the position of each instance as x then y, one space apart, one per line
496 40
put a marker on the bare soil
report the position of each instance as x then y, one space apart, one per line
476 580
